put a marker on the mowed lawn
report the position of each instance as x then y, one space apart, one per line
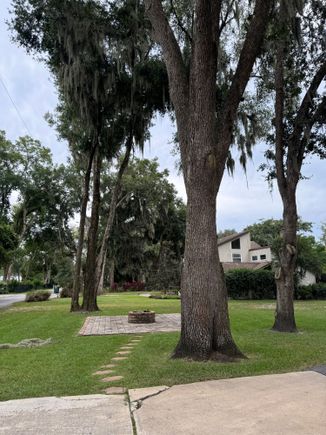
65 367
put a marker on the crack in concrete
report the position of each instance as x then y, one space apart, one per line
136 404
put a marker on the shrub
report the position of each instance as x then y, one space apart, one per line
313 291
19 286
133 286
113 287
38 296
3 289
250 284
66 292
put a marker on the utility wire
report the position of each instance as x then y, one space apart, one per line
15 106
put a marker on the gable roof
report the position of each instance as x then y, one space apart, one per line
254 245
230 238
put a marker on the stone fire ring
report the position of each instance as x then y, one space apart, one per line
141 317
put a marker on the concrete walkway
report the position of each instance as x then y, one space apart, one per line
76 415
286 404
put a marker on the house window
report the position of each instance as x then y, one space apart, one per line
263 257
254 258
236 258
235 244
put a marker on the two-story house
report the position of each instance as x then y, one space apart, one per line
238 251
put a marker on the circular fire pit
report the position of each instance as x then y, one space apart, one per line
141 316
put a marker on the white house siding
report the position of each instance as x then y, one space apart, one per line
225 251
308 279
262 251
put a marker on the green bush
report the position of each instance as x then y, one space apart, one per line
38 296
313 291
250 284
3 289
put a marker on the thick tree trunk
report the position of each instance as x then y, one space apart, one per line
223 343
81 235
89 299
205 330
284 316
199 276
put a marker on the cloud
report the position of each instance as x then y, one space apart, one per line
31 88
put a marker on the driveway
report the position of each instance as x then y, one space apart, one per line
7 300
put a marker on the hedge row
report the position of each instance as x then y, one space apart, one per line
22 286
313 291
250 284
260 284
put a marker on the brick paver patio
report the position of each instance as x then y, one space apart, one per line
108 325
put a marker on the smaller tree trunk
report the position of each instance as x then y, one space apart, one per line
100 263
284 316
81 235
111 268
89 299
101 283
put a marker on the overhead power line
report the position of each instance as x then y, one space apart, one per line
15 106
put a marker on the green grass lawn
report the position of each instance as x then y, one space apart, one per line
66 366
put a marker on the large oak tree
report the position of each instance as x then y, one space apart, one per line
205 123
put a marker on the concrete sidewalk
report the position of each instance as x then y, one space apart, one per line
76 415
286 404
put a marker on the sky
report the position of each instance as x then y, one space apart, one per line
243 199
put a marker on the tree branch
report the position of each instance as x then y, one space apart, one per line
185 31
248 55
279 115
302 118
178 79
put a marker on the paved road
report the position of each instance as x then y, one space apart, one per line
7 300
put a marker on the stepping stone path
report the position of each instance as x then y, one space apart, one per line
106 369
112 379
108 366
103 372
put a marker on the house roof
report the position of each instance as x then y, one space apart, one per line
230 238
254 245
253 265
260 247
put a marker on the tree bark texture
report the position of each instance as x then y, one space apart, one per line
81 235
205 137
89 299
284 316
